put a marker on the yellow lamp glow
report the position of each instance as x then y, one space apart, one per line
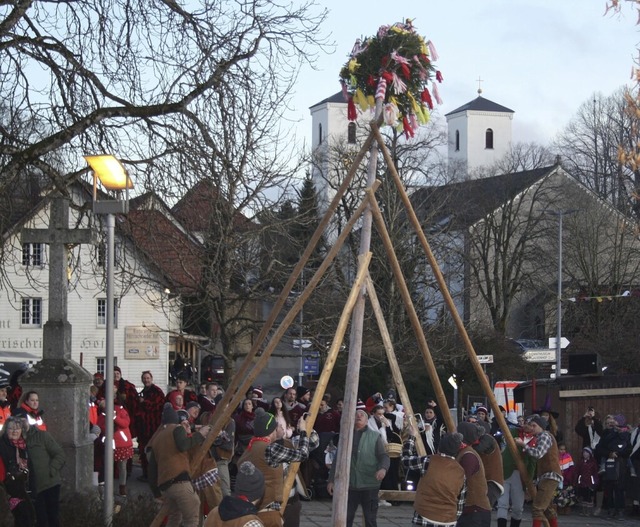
110 171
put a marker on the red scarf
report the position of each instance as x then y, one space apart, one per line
20 444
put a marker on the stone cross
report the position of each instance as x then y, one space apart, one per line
57 330
63 385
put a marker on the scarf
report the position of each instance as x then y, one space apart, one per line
256 438
20 445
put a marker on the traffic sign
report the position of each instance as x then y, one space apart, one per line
564 342
306 343
485 359
540 355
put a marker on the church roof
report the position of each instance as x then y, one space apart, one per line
463 204
336 97
481 104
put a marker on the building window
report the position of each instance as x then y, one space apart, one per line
351 134
488 139
100 365
32 254
101 254
319 133
457 140
31 312
102 312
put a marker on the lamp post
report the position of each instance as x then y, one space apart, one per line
560 214
113 178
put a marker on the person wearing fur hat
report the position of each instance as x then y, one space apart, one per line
442 488
477 509
270 455
544 448
239 509
169 469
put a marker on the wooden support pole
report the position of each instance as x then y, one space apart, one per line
232 399
444 290
363 269
413 316
396 374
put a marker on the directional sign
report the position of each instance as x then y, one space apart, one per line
540 355
485 359
564 342
306 343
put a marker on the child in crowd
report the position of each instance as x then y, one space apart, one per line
585 480
565 497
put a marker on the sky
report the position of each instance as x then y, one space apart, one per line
540 58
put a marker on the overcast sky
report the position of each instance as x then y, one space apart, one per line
540 58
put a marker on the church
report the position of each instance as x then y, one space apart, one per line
482 216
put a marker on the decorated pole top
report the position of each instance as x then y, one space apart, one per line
395 66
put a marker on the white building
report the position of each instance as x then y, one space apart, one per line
147 301
479 134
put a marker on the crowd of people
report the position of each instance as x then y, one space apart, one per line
239 480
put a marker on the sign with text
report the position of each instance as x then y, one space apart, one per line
564 342
485 359
141 343
540 355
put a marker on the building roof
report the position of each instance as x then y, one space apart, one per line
197 207
481 104
336 97
465 203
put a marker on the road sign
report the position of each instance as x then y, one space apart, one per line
311 365
485 359
306 343
540 355
564 342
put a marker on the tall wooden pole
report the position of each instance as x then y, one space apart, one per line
444 290
343 457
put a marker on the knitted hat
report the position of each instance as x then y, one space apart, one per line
117 368
98 375
621 420
301 391
182 415
587 449
192 404
450 444
264 423
169 415
471 432
482 409
249 482
540 421
360 405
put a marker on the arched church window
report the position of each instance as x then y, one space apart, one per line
319 133
457 140
488 139
351 134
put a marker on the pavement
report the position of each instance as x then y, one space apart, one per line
318 513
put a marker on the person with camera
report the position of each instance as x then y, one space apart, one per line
589 428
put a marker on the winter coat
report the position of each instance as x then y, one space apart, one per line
46 459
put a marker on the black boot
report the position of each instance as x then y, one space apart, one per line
515 523
502 522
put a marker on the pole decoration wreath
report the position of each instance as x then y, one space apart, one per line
396 66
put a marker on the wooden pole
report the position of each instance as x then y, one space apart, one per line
363 267
413 316
396 374
343 458
473 359
232 399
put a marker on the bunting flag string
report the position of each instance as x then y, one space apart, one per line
602 298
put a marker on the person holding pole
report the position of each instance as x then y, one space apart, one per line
545 449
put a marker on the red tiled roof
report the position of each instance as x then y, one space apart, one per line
176 255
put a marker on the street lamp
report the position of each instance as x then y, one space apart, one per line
114 178
560 214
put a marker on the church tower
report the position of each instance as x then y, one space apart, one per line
479 133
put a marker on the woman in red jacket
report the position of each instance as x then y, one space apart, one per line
122 440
